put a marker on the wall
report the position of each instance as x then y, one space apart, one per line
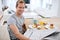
10 3
47 12
59 9
54 9
36 4
0 5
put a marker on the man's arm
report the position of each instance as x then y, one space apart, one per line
17 33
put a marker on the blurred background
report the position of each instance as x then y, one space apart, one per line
49 9
46 8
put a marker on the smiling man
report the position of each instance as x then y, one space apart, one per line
16 22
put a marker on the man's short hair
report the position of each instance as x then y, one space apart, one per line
19 1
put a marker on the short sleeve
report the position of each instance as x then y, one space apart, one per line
11 21
23 19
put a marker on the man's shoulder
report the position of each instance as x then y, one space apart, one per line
12 17
11 20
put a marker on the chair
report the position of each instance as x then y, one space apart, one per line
4 35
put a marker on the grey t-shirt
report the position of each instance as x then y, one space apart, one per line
16 21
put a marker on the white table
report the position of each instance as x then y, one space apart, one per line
36 34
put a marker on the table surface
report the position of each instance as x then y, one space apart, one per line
36 34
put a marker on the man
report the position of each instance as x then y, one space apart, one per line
16 21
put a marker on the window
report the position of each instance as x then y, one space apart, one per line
27 1
46 4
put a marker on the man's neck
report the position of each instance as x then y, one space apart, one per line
19 16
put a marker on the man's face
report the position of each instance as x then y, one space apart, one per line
20 8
